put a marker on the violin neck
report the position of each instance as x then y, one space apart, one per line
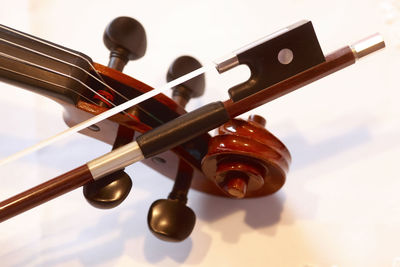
41 66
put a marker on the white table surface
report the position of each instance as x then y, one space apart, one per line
340 204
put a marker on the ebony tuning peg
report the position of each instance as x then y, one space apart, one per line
170 219
108 192
111 190
190 89
125 37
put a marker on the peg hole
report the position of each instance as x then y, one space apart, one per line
158 160
94 128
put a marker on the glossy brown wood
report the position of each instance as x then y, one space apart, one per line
166 163
44 192
334 62
161 109
246 150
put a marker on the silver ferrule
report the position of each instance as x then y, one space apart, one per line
368 45
115 160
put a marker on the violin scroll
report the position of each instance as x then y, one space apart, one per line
246 160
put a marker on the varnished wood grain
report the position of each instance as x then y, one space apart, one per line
44 192
334 62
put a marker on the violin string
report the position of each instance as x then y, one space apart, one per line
101 80
102 116
98 79
50 70
66 51
48 82
108 113
61 61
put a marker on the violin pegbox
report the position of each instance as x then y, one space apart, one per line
171 219
246 160
126 39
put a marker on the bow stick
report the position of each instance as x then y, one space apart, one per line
279 64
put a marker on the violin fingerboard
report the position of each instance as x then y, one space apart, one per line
42 66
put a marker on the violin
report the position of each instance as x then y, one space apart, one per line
243 160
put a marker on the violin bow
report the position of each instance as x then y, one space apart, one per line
280 63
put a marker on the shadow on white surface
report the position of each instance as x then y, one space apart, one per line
261 214
102 241
306 154
105 237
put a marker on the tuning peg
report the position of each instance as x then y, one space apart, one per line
108 192
125 37
111 190
190 89
170 219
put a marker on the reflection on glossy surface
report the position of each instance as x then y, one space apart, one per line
245 160
109 191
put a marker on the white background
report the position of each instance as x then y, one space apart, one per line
340 204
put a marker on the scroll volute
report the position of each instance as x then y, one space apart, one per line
246 160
